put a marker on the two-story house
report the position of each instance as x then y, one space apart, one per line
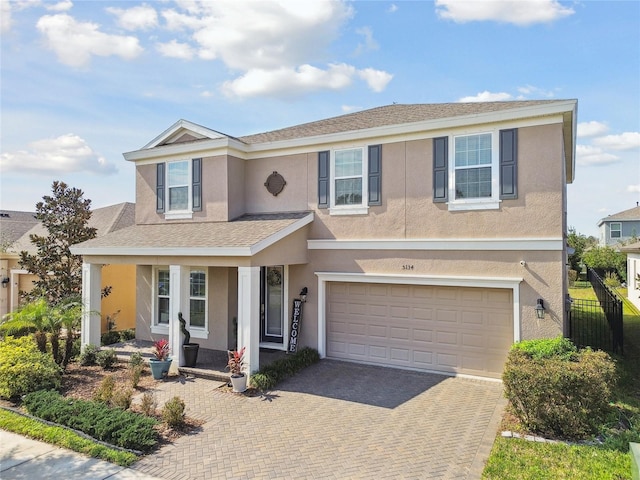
620 227
428 237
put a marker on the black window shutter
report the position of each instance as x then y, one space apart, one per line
509 164
196 187
160 187
323 179
375 174
440 169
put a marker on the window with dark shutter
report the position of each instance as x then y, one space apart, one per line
160 188
440 169
196 190
508 164
375 175
323 179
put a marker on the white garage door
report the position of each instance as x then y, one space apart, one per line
449 329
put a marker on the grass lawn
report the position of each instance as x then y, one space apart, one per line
513 458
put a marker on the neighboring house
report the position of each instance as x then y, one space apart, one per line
425 235
121 278
633 272
620 227
13 225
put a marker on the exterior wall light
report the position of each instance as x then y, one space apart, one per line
303 294
5 282
540 309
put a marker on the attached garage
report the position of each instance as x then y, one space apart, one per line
452 329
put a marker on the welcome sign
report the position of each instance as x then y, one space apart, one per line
296 316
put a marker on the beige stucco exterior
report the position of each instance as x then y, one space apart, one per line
518 244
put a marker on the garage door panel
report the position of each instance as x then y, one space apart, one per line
452 329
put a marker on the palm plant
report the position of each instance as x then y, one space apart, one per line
32 317
69 312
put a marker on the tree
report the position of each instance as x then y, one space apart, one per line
607 259
65 215
580 243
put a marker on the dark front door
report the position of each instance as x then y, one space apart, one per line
272 305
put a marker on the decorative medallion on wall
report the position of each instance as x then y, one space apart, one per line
275 183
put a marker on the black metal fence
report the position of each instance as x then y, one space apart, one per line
597 323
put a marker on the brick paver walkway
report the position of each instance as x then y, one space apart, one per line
335 420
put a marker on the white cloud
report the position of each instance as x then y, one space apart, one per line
393 8
5 16
75 42
633 188
369 41
288 82
487 96
142 17
65 154
376 79
624 141
266 35
62 6
587 155
350 108
591 129
518 12
530 90
175 49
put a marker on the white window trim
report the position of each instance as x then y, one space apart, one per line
619 229
486 203
156 327
185 213
201 332
361 209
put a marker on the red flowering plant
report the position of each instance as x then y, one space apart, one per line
236 361
161 349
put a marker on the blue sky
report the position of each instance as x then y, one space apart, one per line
82 82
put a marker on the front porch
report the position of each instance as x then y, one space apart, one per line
211 364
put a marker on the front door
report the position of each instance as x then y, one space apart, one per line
272 306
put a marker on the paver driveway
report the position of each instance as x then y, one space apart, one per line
335 420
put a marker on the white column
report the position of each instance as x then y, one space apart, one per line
322 319
91 304
249 316
178 302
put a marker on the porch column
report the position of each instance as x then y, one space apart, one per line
178 302
91 304
249 316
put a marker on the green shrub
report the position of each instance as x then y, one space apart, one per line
110 337
573 276
112 425
560 396
106 358
104 392
24 369
173 412
122 398
269 376
558 347
136 359
149 404
135 373
88 355
128 334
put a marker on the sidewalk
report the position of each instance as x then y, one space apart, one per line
23 458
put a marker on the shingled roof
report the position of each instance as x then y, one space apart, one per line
395 114
14 224
631 215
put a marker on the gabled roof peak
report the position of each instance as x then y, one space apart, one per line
183 131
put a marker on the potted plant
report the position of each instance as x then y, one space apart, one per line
235 365
161 361
190 350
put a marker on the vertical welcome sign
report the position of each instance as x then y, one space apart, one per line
296 316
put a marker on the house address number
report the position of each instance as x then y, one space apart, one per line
407 267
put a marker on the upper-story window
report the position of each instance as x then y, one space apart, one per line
179 188
349 179
178 185
616 230
475 171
